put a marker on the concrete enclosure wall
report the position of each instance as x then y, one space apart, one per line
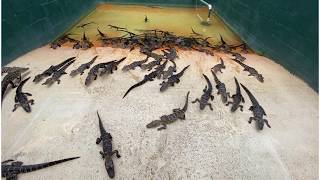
286 31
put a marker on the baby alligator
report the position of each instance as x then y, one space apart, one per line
168 119
12 78
57 74
51 70
11 171
207 94
111 66
257 110
12 69
80 70
21 98
236 98
107 152
218 67
134 64
170 71
93 73
251 70
148 77
172 79
221 88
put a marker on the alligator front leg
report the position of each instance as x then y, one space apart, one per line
27 94
229 102
116 152
31 101
98 140
250 119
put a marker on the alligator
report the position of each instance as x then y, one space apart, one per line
257 111
145 19
170 71
251 70
219 67
207 94
94 71
111 66
61 40
148 77
6 69
107 151
237 56
171 55
237 98
172 79
195 33
224 46
116 27
11 171
151 64
85 44
21 98
12 78
160 69
57 74
221 88
134 64
80 70
51 70
77 45
85 24
168 119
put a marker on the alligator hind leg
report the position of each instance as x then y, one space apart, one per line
102 154
15 107
229 102
241 108
164 126
267 123
208 104
31 101
117 153
196 100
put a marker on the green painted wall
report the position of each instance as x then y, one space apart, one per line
286 31
28 24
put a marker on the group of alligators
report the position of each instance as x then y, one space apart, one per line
148 41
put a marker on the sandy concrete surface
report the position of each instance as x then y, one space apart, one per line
207 145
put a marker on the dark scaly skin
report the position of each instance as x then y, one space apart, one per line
172 79
257 111
237 98
21 98
12 69
61 40
11 171
134 64
85 44
221 88
149 77
112 66
171 55
12 78
218 67
207 94
51 70
170 71
251 70
57 74
160 69
168 119
80 70
237 56
94 71
107 151
158 58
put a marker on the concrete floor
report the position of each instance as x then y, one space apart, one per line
207 145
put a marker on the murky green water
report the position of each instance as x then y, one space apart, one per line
177 20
